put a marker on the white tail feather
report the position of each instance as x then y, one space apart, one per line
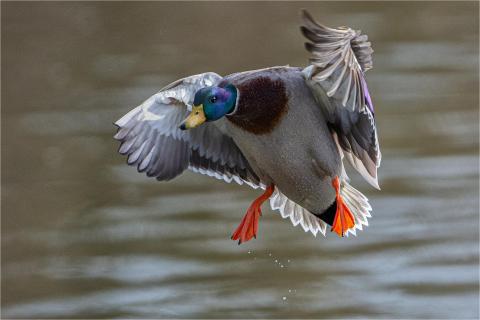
297 214
358 205
354 199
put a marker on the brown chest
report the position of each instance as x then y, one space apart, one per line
261 104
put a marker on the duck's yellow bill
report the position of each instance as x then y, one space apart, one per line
194 119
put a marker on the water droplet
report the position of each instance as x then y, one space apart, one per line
281 266
289 290
276 260
284 298
270 254
288 260
249 252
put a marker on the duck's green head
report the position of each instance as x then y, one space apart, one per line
210 104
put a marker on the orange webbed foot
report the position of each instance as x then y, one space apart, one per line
344 219
248 227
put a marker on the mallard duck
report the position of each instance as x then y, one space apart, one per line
286 130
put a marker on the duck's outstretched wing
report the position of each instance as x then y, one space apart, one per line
151 139
336 76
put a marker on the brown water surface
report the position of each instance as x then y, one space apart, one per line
83 235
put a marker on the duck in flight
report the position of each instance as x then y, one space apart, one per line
285 130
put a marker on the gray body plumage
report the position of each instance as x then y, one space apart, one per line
300 156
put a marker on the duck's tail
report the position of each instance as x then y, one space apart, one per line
297 214
348 212
358 205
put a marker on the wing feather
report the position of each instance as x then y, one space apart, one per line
151 140
336 77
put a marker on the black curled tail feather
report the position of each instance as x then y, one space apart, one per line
328 215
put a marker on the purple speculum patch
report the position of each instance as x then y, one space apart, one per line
368 99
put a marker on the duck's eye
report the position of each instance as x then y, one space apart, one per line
213 99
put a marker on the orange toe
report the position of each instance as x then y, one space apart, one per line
248 227
344 219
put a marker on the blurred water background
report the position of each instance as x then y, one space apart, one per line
83 235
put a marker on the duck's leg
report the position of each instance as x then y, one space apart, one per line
344 219
247 229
